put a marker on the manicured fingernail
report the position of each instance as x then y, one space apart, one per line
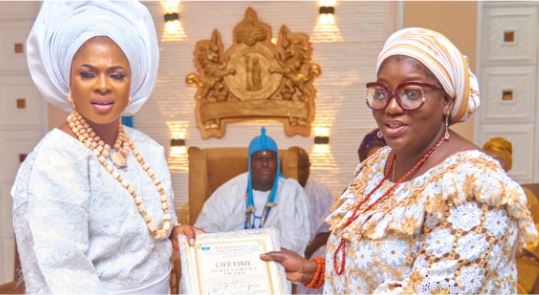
263 256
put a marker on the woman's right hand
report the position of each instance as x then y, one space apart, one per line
298 269
188 231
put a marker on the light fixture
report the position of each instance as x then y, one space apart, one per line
177 157
177 142
323 164
321 131
321 140
326 6
170 17
173 29
326 29
326 10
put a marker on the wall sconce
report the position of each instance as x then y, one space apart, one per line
326 29
170 17
177 147
326 10
173 30
177 156
321 140
177 142
321 132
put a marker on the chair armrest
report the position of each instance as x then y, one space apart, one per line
198 182
175 273
290 162
13 287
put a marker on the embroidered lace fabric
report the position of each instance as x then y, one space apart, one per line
452 230
77 229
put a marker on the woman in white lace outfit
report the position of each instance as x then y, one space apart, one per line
430 213
93 203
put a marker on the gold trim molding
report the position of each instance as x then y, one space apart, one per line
254 79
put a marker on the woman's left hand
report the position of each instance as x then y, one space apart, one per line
188 231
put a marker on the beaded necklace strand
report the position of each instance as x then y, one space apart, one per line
92 141
250 215
355 214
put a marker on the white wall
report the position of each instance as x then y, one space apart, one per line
20 127
511 66
346 67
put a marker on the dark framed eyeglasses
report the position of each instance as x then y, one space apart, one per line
409 95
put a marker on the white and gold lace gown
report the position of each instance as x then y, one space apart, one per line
78 230
452 230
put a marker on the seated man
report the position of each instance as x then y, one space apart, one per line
260 198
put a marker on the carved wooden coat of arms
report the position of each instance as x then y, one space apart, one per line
255 79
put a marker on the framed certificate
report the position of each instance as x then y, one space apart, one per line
229 263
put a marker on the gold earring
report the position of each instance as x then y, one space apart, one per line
379 134
446 135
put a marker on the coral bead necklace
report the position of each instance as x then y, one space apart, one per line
123 144
339 269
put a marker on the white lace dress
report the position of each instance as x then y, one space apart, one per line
452 230
78 230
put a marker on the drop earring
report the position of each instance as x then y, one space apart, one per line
379 134
446 135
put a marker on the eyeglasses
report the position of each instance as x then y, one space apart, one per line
409 95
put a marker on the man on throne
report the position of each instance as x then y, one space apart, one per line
260 198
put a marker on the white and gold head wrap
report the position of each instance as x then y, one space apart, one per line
444 60
62 27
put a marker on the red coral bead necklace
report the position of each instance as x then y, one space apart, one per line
339 269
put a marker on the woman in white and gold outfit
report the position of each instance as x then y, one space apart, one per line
430 213
93 203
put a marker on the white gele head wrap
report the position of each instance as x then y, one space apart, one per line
62 27
444 60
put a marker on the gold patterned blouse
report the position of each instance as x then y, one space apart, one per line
454 229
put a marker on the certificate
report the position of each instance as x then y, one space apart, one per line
229 263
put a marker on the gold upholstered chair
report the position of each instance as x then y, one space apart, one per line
209 168
528 261
533 187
